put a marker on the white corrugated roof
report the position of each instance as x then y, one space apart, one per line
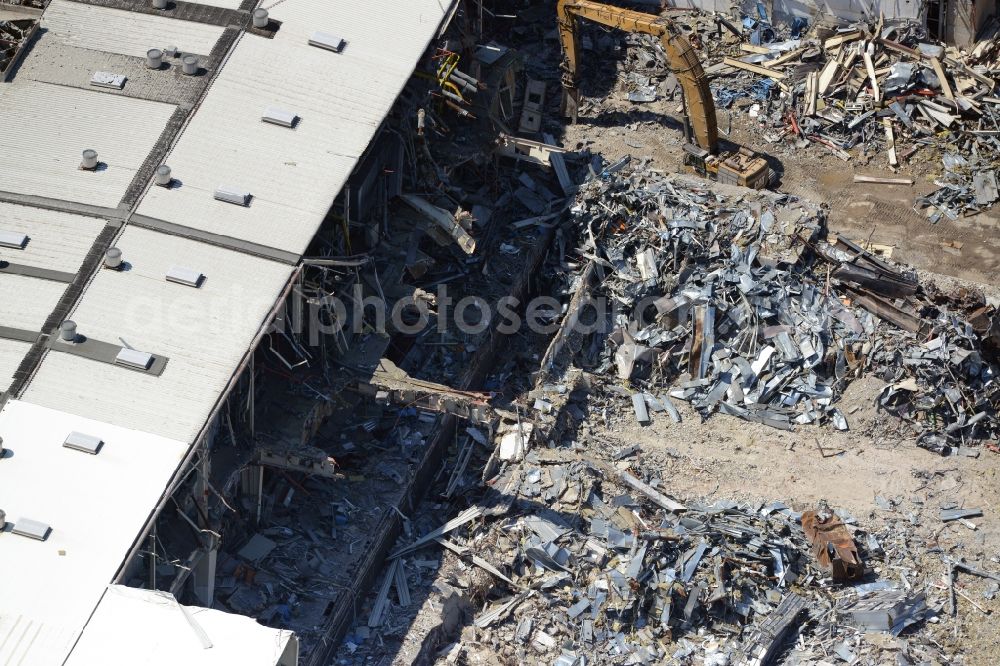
341 98
45 128
57 241
151 628
95 506
203 332
127 33
227 4
26 302
11 354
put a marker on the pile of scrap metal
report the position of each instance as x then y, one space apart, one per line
589 564
879 88
729 298
14 37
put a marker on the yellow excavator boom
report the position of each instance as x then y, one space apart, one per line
684 63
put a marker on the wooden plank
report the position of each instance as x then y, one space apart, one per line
882 181
827 76
871 76
945 87
785 57
841 39
756 69
890 142
753 48
812 88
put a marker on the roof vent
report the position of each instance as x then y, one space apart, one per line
89 160
325 40
67 331
233 195
162 176
113 258
189 65
154 58
32 529
273 114
185 276
13 239
159 4
108 80
81 442
133 358
260 19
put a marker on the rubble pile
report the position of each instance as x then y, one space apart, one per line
878 89
733 299
592 565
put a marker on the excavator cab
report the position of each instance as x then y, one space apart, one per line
736 167
740 167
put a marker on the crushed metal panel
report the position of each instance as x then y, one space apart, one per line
832 544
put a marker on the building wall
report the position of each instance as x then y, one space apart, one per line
785 10
965 18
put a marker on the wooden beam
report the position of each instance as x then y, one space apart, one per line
871 75
750 67
890 142
841 39
790 55
827 76
945 87
882 181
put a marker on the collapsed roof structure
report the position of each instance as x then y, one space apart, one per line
131 304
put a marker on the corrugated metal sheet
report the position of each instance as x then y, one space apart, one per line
142 623
11 354
341 98
27 302
203 332
28 641
228 4
127 33
57 241
95 506
45 128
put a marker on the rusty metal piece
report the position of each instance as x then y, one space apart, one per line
832 544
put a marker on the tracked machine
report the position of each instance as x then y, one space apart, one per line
740 166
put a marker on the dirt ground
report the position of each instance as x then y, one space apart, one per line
967 248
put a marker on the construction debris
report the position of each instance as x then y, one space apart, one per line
832 545
733 303
871 89
580 571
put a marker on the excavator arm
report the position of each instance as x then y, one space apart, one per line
739 166
699 107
